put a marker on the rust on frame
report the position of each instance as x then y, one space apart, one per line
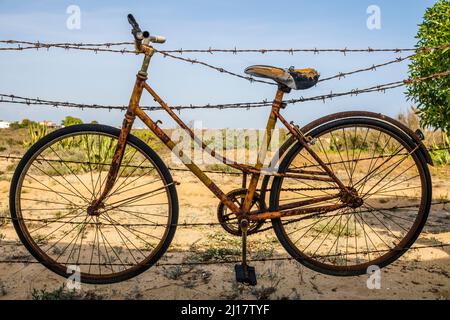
279 214
121 143
296 133
180 122
187 162
255 171
263 151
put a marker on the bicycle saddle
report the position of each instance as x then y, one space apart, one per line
297 79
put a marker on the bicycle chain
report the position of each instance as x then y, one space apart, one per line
309 189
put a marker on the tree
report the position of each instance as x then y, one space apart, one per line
70 121
14 125
432 97
25 123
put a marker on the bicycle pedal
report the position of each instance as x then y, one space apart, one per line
245 274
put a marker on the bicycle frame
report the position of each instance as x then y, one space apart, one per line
291 209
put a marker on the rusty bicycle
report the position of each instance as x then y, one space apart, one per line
349 190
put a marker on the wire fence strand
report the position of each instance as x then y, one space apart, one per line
106 47
109 47
15 99
220 262
95 46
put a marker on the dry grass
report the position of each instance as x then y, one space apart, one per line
423 275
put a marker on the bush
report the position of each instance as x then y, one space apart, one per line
432 96
70 121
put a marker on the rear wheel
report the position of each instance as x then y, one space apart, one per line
380 162
57 180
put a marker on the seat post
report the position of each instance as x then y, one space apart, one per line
244 272
276 105
284 88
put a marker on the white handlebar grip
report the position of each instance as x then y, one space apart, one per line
157 39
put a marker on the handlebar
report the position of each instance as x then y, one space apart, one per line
133 23
157 39
142 37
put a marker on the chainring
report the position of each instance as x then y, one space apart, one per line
229 220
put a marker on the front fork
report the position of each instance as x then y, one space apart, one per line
127 124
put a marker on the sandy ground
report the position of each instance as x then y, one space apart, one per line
419 274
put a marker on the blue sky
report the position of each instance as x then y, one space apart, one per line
108 78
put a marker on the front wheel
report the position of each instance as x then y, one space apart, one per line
57 180
383 166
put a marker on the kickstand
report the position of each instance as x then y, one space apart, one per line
245 273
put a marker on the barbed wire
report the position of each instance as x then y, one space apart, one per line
210 50
15 99
224 261
97 47
216 224
291 51
123 51
12 157
196 224
219 69
374 67
228 261
38 44
87 47
186 224
222 172
339 76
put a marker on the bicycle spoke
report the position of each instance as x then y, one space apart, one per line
135 198
106 249
367 206
382 171
376 233
132 188
121 185
71 171
355 162
388 186
81 241
58 219
340 155
74 241
64 235
392 168
94 195
371 173
54 179
136 214
132 231
56 192
62 182
120 233
348 157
